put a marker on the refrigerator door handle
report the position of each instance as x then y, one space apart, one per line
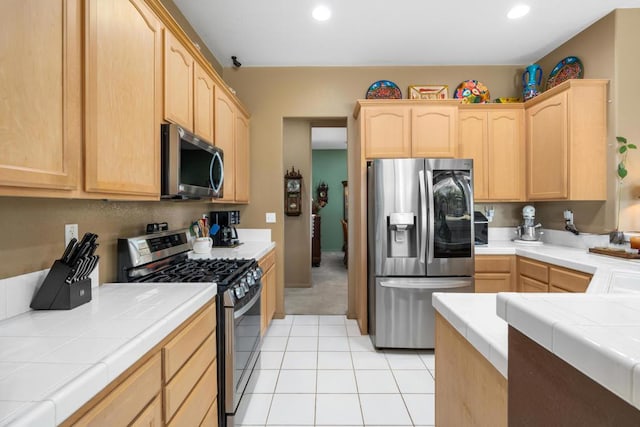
423 216
426 284
431 233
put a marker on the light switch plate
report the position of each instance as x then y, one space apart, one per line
271 217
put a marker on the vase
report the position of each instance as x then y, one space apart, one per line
531 79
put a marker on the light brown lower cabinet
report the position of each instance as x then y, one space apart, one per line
494 273
174 384
470 391
268 295
538 276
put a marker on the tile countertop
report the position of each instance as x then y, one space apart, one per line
53 362
474 315
256 243
598 334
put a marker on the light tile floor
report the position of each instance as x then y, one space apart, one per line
319 370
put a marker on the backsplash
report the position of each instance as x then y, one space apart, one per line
556 237
16 292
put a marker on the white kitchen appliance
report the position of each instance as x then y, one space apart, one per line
528 230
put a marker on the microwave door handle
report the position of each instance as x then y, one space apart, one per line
432 225
423 216
213 160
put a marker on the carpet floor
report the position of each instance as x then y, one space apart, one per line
327 295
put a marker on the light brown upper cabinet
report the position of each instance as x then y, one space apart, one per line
224 125
123 99
242 158
566 130
434 131
405 128
493 136
202 104
178 83
40 110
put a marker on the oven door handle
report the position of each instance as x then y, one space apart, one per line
248 306
229 362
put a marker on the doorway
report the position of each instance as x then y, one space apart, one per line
326 292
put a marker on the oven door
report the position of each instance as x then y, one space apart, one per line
242 346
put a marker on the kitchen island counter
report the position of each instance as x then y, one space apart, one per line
53 362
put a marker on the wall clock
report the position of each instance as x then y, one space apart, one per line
323 194
293 193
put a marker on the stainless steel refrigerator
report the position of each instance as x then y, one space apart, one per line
420 241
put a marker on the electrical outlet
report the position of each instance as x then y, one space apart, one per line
270 217
70 232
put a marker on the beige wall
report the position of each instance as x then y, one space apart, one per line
272 94
297 235
595 48
627 120
32 229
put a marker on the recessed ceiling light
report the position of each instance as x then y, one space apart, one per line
321 13
518 11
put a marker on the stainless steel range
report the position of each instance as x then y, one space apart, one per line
164 257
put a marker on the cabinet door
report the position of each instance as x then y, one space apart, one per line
387 132
434 131
202 104
271 293
224 139
40 99
526 284
178 82
242 158
123 98
506 155
473 145
492 282
547 144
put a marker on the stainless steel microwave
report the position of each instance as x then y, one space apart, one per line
191 168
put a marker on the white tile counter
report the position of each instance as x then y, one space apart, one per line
598 334
256 243
53 362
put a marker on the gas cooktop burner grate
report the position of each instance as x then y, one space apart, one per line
220 271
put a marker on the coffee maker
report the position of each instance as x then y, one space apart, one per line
226 234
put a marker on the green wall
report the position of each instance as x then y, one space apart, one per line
330 166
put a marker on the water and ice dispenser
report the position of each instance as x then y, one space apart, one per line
402 235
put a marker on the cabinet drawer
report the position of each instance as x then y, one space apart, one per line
183 382
532 285
569 280
493 263
556 289
533 269
180 348
151 416
127 400
267 261
211 419
197 404
492 282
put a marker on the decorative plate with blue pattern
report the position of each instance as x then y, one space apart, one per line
384 89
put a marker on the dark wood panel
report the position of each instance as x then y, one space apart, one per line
544 390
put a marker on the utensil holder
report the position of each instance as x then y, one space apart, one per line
56 294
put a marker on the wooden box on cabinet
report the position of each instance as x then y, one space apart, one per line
493 136
566 142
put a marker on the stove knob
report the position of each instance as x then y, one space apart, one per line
245 287
257 273
250 280
239 292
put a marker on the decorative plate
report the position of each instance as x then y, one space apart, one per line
384 89
472 92
569 68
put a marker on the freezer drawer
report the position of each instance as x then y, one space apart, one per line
404 316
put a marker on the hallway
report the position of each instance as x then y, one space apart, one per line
328 295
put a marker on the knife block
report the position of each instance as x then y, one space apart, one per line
56 294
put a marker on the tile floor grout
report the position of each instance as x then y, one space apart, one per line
391 367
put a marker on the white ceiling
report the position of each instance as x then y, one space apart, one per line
383 32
